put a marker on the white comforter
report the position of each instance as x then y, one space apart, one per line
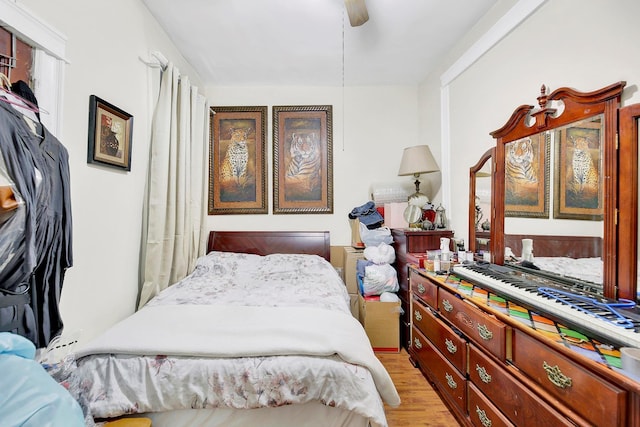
224 354
588 269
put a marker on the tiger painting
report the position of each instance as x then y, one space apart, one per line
520 165
521 173
304 163
234 165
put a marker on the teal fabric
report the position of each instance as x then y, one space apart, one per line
28 394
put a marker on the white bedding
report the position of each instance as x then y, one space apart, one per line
587 269
278 280
202 346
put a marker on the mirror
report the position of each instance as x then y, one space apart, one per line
554 198
480 181
412 214
569 142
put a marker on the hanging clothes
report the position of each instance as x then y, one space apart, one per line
34 261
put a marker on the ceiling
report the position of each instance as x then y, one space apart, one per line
310 42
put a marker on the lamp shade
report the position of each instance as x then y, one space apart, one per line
357 12
417 160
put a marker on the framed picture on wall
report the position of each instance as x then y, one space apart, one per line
302 159
237 165
578 172
110 130
527 177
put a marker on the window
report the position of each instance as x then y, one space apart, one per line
46 48
16 57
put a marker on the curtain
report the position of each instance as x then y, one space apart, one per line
174 223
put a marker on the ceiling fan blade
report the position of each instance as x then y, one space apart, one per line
357 11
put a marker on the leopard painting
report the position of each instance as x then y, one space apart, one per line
585 173
234 165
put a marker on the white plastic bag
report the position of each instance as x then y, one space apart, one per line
389 297
379 278
380 254
376 236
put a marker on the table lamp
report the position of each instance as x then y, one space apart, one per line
416 161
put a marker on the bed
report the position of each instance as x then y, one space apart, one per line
260 334
574 257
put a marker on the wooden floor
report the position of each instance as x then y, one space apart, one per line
421 405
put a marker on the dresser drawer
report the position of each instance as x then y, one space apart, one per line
569 382
517 402
452 346
448 379
479 326
482 412
423 288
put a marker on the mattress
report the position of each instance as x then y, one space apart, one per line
313 414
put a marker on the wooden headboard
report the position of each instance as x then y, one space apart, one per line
271 242
548 246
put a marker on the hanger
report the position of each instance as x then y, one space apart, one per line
23 106
5 81
10 98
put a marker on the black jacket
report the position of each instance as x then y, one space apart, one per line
40 249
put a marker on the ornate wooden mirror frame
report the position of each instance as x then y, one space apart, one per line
473 176
628 202
619 206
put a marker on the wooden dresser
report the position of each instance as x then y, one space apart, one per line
493 370
405 242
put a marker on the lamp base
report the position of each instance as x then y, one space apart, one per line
418 199
417 183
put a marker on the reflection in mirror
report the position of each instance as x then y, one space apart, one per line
480 199
583 183
527 177
562 168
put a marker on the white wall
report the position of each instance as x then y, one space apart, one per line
104 43
584 44
371 126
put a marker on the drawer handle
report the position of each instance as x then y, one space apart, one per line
484 332
556 376
447 306
451 347
417 315
485 377
450 381
417 344
421 288
486 422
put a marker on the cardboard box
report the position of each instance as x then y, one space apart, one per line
351 257
381 322
355 306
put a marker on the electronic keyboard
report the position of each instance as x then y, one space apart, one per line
607 320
